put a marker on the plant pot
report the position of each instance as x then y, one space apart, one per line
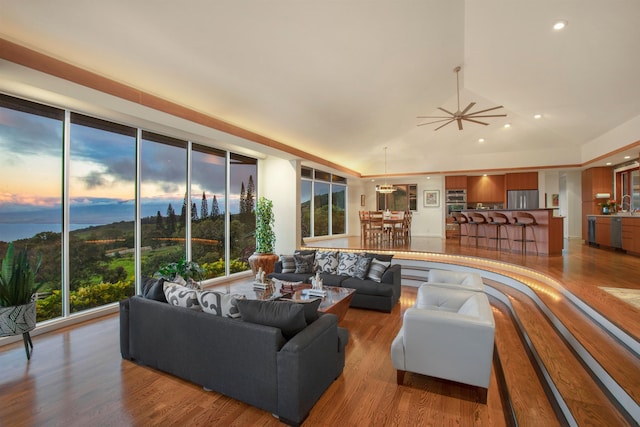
18 319
264 261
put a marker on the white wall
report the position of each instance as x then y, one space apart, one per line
573 213
279 182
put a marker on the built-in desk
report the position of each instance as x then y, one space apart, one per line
549 232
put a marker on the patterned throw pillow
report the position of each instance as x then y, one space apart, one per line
377 269
219 303
304 263
347 263
327 261
181 296
362 267
288 264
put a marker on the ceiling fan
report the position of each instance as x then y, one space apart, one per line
459 116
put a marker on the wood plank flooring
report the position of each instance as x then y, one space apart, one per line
76 376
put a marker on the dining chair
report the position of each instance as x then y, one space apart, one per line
376 232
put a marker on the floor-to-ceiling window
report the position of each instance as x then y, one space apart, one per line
208 183
102 176
31 148
62 168
323 203
163 208
242 202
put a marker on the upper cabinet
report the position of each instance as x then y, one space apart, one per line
521 181
485 189
457 182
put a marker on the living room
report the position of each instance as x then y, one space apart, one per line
42 64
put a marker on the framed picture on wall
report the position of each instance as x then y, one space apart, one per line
431 198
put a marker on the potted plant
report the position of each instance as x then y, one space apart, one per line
185 271
17 295
263 257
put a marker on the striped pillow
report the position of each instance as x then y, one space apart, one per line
377 269
288 264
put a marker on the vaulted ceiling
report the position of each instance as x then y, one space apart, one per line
342 79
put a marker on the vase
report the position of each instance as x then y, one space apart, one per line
17 320
605 210
264 261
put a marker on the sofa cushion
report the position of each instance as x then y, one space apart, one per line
326 261
219 303
470 308
304 263
368 287
288 264
332 279
347 263
304 252
289 318
181 296
377 269
362 267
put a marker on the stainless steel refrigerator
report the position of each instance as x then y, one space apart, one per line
522 199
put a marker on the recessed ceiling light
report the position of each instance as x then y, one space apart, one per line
608 163
507 125
559 25
484 174
627 157
428 177
537 116
481 140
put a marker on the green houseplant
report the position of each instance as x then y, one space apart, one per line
17 290
263 257
190 271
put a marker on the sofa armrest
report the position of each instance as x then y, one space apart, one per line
277 267
307 365
392 275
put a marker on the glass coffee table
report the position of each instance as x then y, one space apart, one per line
336 300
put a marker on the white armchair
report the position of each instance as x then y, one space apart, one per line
449 334
455 280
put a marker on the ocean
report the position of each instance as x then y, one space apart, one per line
11 231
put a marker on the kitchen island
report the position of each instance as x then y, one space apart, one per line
549 232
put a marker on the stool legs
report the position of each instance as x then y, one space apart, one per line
524 240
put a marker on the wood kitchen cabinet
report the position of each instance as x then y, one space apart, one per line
603 231
631 235
594 180
455 182
485 189
521 181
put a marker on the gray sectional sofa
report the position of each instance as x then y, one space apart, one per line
379 293
251 362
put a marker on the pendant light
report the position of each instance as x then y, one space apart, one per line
385 188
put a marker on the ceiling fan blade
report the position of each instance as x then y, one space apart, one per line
439 127
473 116
435 121
468 107
488 109
474 121
448 112
459 124
433 117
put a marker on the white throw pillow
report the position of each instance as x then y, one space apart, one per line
181 296
219 303
326 261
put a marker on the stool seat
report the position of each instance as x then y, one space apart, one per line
462 221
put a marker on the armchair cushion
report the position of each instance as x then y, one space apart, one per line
455 280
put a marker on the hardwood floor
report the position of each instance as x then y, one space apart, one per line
76 376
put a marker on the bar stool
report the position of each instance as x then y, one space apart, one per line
526 221
500 221
477 219
461 220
